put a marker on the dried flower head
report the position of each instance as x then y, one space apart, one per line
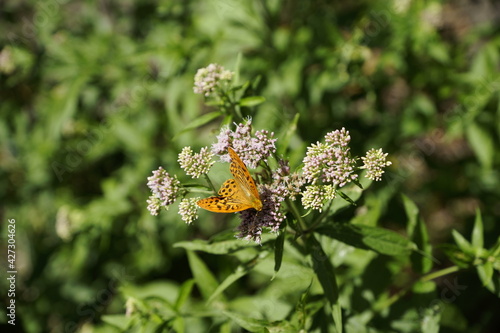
164 189
251 149
188 210
197 164
374 162
271 216
209 78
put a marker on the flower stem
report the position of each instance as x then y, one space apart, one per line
210 183
431 276
436 274
291 205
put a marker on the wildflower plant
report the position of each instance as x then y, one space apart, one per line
327 167
299 201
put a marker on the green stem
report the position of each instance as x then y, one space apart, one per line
210 183
291 205
436 274
431 276
319 219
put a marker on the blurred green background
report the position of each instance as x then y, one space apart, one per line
92 93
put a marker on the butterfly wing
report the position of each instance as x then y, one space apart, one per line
230 199
244 179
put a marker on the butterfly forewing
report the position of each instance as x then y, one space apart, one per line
240 172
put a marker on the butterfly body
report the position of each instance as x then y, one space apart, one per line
235 194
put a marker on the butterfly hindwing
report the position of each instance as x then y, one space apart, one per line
235 194
222 205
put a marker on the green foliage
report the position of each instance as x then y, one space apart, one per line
96 97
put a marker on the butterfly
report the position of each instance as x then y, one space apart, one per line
235 194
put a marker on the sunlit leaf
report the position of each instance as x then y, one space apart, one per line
368 238
205 280
252 101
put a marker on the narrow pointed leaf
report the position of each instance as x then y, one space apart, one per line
485 272
462 243
412 213
184 292
205 280
326 276
477 233
239 272
421 263
252 101
250 324
369 238
200 121
221 247
278 251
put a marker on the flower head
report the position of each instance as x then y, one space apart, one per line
251 149
209 78
271 216
374 162
164 189
197 164
188 209
330 162
284 184
315 196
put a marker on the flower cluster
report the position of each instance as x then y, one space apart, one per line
197 164
188 209
250 149
164 188
284 184
330 162
327 167
315 196
271 216
209 78
374 162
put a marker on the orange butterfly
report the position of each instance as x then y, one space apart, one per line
235 194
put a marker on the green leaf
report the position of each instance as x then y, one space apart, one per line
369 238
240 271
326 276
337 317
495 250
455 254
178 325
199 121
120 321
278 251
221 247
237 67
485 272
462 243
482 144
424 287
477 233
412 213
205 280
251 101
352 192
421 263
286 136
250 324
184 292
430 321
346 197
